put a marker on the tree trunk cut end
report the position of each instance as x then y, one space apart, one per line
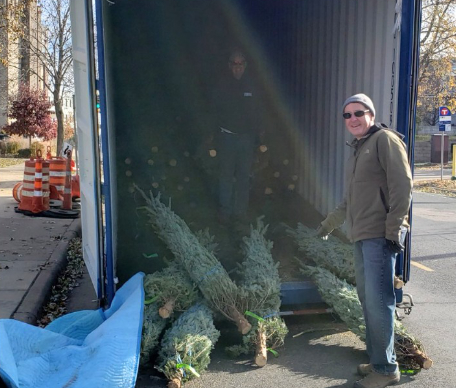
261 357
175 383
167 309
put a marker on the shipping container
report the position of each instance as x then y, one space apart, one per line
154 71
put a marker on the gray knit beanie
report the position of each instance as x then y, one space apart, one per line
362 99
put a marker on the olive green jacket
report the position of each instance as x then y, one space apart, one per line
378 188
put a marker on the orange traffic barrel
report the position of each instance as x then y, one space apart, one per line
57 174
35 188
75 187
17 191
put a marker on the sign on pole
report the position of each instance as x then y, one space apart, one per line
444 126
444 119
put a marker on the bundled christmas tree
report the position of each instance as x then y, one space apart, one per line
186 346
203 267
268 334
344 299
261 292
171 288
332 254
153 326
207 240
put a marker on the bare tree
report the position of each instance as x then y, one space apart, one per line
437 78
44 38
438 33
56 56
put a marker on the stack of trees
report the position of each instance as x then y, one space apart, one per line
342 296
196 275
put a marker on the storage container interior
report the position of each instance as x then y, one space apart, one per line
163 60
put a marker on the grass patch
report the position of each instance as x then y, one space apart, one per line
432 166
421 138
6 162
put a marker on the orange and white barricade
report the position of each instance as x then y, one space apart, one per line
35 188
17 191
57 174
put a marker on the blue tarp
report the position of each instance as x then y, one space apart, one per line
90 348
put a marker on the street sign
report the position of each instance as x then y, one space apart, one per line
445 127
444 119
444 113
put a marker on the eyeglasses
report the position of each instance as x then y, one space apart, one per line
357 113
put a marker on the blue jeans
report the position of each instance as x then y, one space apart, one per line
374 270
236 159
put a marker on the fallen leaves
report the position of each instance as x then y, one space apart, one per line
443 187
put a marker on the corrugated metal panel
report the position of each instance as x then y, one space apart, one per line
346 47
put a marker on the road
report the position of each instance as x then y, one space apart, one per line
424 175
433 275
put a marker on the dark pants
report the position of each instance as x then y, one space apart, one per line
236 157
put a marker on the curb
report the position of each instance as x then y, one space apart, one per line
29 309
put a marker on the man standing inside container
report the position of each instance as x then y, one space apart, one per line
237 109
375 207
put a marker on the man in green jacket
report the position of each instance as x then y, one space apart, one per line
375 208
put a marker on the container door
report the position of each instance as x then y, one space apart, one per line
87 132
408 86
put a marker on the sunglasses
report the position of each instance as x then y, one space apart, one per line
237 63
357 113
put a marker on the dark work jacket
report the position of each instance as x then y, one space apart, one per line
237 105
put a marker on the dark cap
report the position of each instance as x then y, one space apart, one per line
362 99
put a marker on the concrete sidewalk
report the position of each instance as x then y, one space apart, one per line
32 253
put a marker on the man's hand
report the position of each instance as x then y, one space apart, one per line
394 246
322 232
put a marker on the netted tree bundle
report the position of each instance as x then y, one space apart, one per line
186 346
343 298
260 284
153 326
332 254
203 267
268 334
409 350
260 287
207 240
171 288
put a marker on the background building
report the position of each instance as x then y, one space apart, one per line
19 62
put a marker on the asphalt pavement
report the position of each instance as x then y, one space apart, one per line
434 174
319 352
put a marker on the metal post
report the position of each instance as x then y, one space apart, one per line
75 135
453 170
441 156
